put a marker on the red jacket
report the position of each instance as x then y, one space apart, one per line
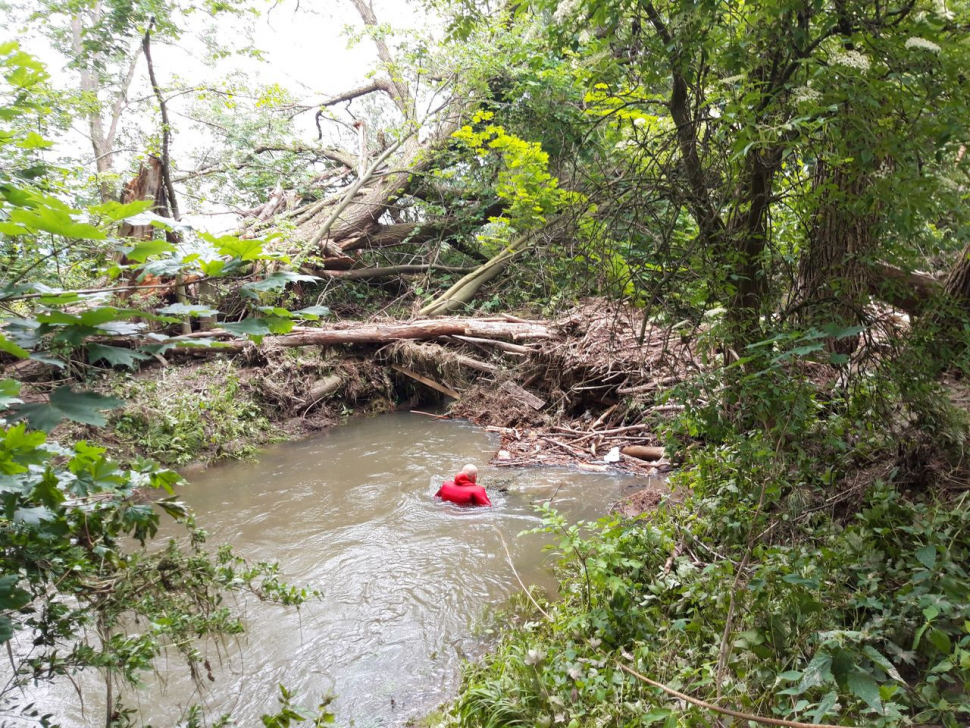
464 492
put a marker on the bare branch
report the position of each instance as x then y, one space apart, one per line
400 94
378 85
166 127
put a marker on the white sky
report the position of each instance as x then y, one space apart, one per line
305 51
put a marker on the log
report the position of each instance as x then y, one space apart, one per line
432 353
464 290
649 386
502 345
447 391
643 452
908 292
323 388
387 272
421 330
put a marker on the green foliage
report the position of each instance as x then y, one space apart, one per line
200 414
76 571
865 621
524 183
290 714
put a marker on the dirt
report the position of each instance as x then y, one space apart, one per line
644 501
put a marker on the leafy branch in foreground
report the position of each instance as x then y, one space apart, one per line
72 584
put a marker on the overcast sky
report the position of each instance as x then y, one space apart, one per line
305 46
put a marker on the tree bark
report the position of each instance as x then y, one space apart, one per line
415 331
833 276
393 270
957 286
462 293
147 185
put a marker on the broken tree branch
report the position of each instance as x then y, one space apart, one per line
335 215
392 270
464 290
447 391
414 330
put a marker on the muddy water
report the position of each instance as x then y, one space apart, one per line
405 578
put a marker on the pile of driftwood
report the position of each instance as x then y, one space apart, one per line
581 390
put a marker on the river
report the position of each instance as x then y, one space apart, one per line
405 578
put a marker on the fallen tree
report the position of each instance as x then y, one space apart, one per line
421 330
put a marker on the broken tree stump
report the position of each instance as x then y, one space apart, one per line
323 388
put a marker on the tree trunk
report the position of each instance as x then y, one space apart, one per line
957 286
414 330
833 274
147 185
462 293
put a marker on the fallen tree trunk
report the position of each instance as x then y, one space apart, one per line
643 452
323 388
387 272
464 290
414 330
908 292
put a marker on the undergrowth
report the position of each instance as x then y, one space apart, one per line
816 571
182 415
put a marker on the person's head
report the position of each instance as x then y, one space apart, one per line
470 472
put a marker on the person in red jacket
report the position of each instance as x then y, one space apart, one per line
463 490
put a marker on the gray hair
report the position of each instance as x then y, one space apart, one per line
471 471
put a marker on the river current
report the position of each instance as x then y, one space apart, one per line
406 579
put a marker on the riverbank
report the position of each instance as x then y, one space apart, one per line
590 395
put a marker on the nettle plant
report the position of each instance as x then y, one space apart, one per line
72 584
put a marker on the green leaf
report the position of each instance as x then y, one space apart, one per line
277 282
312 313
862 685
11 595
234 247
824 707
33 140
260 326
186 309
115 211
6 629
9 393
927 556
878 658
141 252
56 222
248 327
11 348
33 516
655 715
115 355
940 640
83 407
52 360
819 671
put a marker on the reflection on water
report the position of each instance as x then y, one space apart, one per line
404 577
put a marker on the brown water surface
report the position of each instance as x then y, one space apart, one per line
405 578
